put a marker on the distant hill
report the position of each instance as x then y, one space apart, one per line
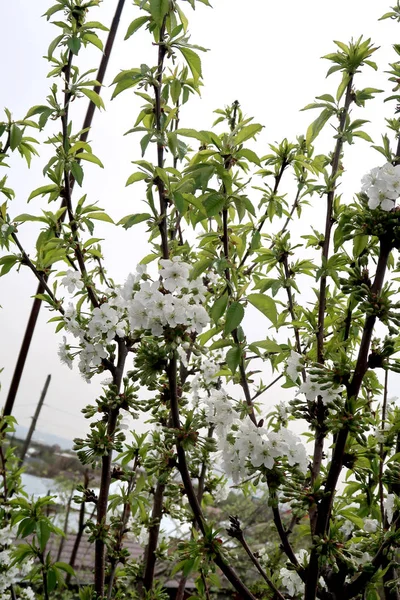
44 437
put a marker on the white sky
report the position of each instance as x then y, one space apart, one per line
264 54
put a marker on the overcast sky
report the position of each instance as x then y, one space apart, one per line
264 54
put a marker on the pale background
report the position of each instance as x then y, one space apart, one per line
264 54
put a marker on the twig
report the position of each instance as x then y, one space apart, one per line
264 389
236 532
353 389
37 302
229 573
106 475
382 448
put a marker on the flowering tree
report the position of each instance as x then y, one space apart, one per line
172 341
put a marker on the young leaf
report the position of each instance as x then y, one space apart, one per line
135 25
265 304
131 220
247 132
94 97
193 61
158 10
234 317
233 357
136 177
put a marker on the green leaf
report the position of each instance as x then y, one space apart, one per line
94 97
131 220
100 216
193 61
148 259
233 357
36 110
158 10
360 242
25 217
234 317
202 136
135 25
265 304
219 307
93 39
268 345
342 86
45 189
51 579
249 155
7 262
77 172
65 567
316 127
90 158
175 89
53 45
43 534
351 516
136 177
213 204
246 133
15 136
74 44
199 267
364 136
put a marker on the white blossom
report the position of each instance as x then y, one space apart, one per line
293 365
389 507
72 280
370 525
175 273
382 186
63 353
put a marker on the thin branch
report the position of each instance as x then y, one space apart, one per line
37 302
264 389
121 529
38 274
353 389
106 475
292 311
219 560
382 448
163 224
264 217
236 531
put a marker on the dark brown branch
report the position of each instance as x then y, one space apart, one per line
353 389
359 584
106 476
121 529
382 448
264 389
259 227
38 274
163 221
292 311
154 530
320 430
229 573
37 303
329 220
236 532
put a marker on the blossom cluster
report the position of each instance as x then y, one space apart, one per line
11 574
139 307
243 445
312 387
382 186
